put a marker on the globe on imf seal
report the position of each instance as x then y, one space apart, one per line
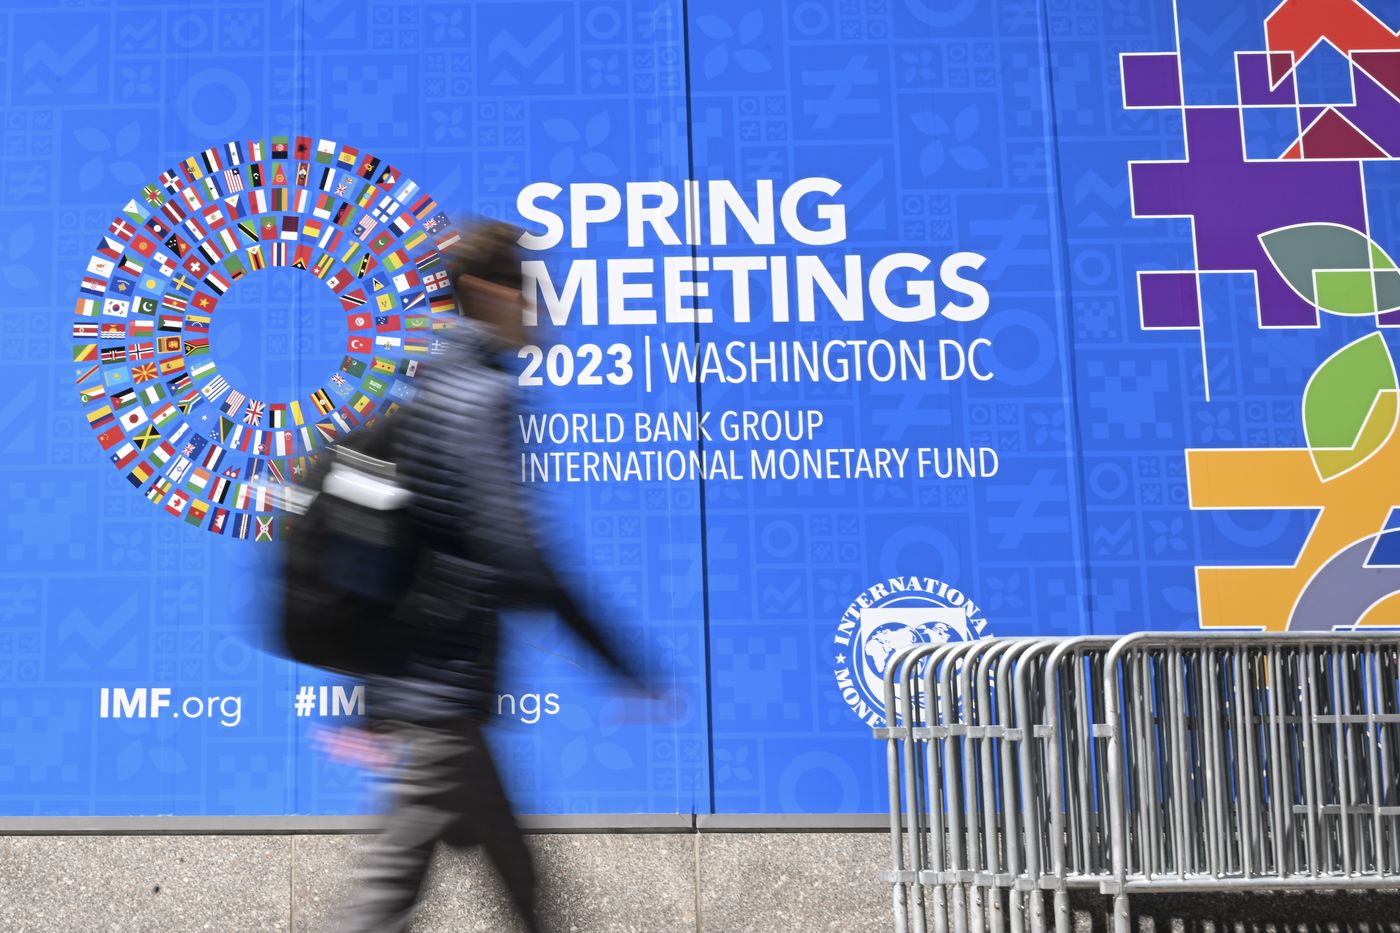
889 617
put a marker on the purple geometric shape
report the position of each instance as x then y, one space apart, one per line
1151 79
1233 201
1256 88
1307 116
1169 299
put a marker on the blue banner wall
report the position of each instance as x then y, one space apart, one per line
860 324
940 140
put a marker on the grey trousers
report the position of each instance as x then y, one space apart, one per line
448 790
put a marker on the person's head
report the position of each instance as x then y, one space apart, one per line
484 267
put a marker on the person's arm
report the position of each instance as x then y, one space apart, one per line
504 535
581 622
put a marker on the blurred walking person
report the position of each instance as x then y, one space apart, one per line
456 455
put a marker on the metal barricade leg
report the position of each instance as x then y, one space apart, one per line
986 736
913 780
1029 705
938 762
971 788
1117 793
899 738
1015 803
954 755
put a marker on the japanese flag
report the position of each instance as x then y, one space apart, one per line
134 418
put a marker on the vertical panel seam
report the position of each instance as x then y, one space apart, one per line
686 188
1076 440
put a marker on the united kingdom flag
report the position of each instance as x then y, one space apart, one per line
253 414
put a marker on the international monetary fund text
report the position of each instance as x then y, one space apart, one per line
732 444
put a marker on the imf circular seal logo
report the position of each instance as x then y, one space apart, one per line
891 616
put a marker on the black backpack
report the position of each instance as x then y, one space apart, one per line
350 554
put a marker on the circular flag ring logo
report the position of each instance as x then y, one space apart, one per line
182 434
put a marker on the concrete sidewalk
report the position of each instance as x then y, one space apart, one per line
687 882
646 883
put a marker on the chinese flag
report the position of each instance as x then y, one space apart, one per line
111 437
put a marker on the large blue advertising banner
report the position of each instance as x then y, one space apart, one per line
859 324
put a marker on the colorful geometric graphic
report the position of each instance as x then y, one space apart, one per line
185 436
1275 187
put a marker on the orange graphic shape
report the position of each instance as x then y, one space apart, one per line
1353 506
1297 25
1384 612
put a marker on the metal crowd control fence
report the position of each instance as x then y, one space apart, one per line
1020 769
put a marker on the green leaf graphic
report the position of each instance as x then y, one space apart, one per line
1349 406
1336 268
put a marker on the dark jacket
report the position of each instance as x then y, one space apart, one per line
457 456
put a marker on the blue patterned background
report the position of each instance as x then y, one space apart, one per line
996 128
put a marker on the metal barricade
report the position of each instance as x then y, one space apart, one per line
1025 768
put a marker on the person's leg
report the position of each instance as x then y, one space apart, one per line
488 820
426 801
